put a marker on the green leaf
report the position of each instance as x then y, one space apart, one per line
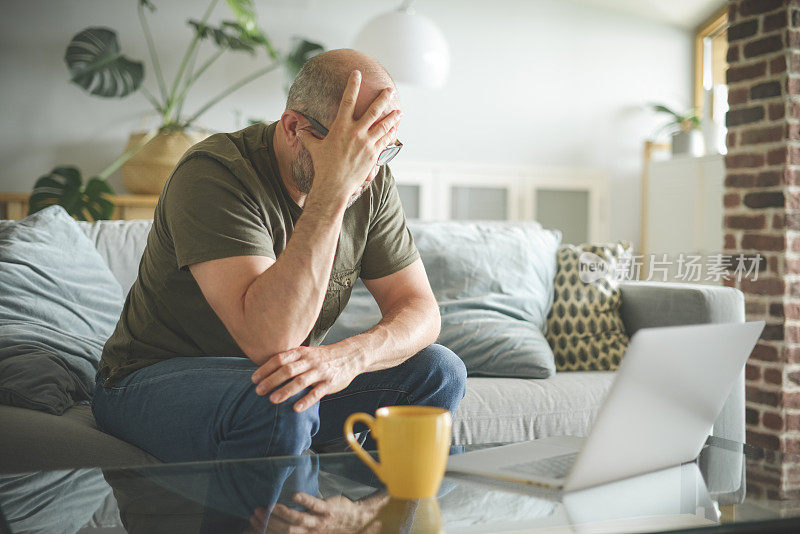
223 39
302 50
64 186
245 14
96 64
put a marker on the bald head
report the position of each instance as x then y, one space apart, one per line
318 87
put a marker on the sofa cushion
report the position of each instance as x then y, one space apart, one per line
58 298
120 244
584 327
494 285
511 409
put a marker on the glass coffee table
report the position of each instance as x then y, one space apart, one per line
338 493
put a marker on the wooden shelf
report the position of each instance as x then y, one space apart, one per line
14 206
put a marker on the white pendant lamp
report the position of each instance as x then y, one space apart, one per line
410 46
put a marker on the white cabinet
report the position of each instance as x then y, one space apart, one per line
683 212
573 200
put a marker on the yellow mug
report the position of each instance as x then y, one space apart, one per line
413 443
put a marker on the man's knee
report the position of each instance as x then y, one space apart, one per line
280 429
444 370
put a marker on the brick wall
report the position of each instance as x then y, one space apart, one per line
762 211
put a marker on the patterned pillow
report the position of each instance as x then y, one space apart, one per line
584 327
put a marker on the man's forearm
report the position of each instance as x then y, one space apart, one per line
410 326
283 303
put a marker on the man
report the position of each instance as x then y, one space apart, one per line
257 239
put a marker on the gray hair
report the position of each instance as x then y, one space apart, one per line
318 87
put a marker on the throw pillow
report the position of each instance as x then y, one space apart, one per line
584 327
493 282
59 299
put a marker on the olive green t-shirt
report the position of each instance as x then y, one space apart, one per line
226 198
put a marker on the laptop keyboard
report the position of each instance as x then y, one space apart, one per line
553 467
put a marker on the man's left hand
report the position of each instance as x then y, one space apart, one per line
328 368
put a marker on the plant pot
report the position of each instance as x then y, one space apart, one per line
687 143
147 171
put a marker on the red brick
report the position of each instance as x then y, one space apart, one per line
733 54
773 22
764 353
762 242
737 117
793 86
759 396
742 30
763 286
751 416
744 161
777 65
738 96
762 440
778 222
793 131
791 400
745 222
772 332
776 309
772 421
794 63
794 378
791 354
793 155
776 156
791 310
773 376
745 72
732 200
791 445
791 220
754 309
765 45
740 180
754 136
793 421
752 372
730 239
756 7
773 263
768 178
792 177
771 199
777 111
793 39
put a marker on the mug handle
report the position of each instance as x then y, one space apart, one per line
351 439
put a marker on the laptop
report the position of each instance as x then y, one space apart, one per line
666 395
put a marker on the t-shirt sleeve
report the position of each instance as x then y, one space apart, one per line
390 246
210 214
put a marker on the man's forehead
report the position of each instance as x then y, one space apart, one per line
368 92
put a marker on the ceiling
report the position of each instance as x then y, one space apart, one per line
684 14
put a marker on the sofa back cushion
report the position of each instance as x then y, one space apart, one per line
494 284
58 305
120 244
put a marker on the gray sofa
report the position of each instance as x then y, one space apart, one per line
494 409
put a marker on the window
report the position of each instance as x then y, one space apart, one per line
710 89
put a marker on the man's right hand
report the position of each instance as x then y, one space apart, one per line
345 157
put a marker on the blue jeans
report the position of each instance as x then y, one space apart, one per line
206 408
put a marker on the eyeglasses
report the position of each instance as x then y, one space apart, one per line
385 155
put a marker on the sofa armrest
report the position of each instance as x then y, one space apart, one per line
647 304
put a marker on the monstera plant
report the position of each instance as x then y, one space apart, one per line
97 65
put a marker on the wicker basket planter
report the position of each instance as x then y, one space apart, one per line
147 171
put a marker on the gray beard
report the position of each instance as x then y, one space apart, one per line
303 176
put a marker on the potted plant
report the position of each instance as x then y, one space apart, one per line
97 65
684 129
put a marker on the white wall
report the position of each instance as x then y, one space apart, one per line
537 82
